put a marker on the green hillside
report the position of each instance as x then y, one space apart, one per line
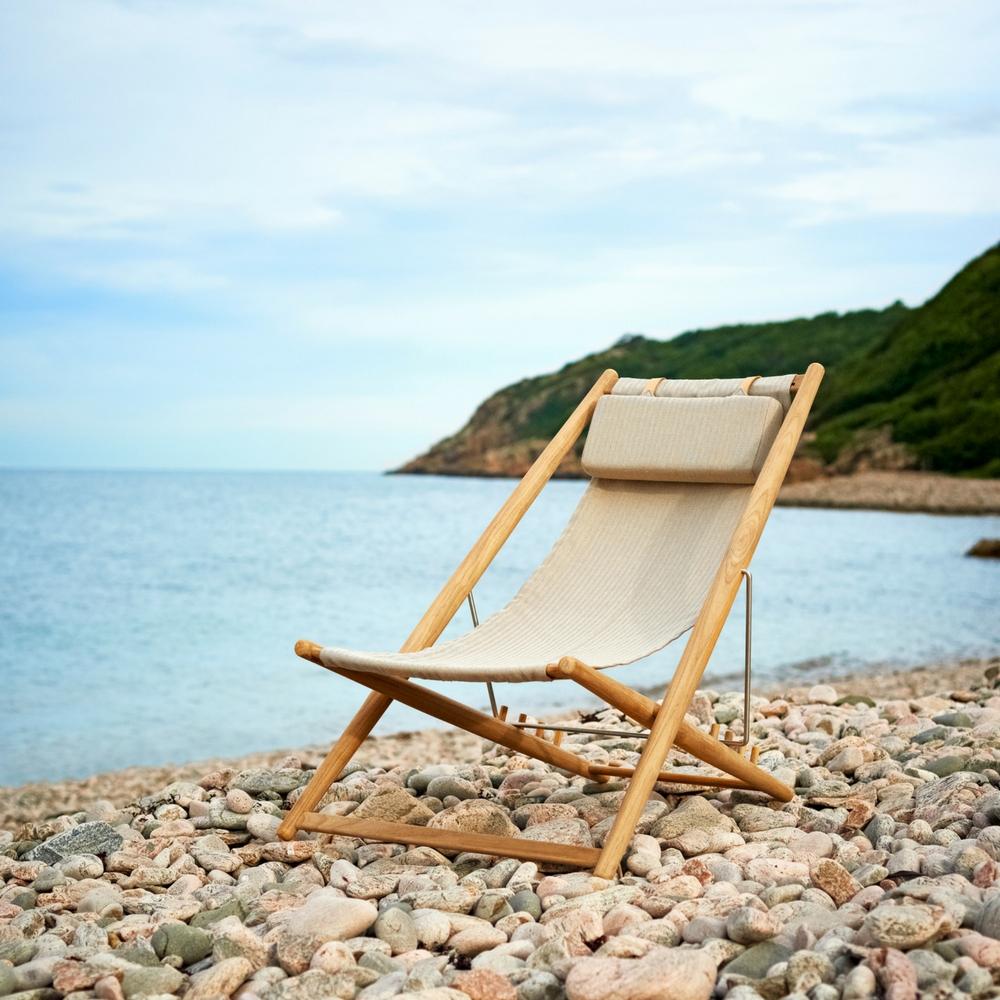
934 379
927 378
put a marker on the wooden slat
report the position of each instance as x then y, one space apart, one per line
452 840
712 617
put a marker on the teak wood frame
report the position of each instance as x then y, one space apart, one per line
665 720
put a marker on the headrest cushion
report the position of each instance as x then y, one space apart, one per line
722 439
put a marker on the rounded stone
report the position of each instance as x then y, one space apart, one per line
903 927
747 925
325 916
190 944
526 901
663 972
396 927
475 816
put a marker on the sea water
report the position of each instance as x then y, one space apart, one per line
149 617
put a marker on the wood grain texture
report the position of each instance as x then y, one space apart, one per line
453 840
714 612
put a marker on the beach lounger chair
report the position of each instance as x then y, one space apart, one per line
684 476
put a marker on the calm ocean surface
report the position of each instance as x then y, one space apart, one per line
149 617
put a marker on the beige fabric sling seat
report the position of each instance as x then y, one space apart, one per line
683 475
631 571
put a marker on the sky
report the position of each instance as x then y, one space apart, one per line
315 235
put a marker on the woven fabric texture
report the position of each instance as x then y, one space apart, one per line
700 440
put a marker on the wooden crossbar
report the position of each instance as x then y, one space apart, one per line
453 840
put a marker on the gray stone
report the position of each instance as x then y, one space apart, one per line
8 981
957 720
492 906
755 819
151 981
988 922
281 780
86 838
931 968
540 986
450 784
395 926
190 944
312 985
17 952
526 901
755 961
943 766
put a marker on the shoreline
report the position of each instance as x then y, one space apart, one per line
38 800
901 491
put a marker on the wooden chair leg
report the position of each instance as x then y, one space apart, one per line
662 735
334 763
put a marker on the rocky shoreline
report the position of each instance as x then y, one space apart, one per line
881 877
902 490
915 492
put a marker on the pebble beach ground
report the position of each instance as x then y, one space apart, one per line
880 878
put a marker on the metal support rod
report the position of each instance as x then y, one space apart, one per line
640 734
747 657
489 686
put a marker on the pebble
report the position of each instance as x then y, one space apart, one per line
325 916
882 876
835 880
902 926
663 972
95 838
475 816
392 804
396 927
749 925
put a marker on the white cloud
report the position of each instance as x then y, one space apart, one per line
949 176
